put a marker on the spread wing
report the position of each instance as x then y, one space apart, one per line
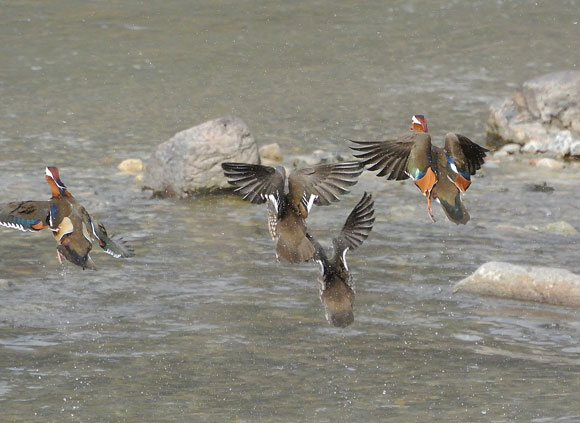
117 249
322 184
358 225
392 158
467 155
25 215
257 183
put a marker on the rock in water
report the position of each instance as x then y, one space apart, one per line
190 162
131 166
544 110
529 283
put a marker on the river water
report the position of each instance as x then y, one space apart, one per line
203 324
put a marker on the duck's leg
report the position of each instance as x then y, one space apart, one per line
425 185
429 211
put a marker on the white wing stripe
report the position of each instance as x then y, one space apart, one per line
275 202
14 226
344 258
309 201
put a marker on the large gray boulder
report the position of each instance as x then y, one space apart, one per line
529 283
544 112
189 163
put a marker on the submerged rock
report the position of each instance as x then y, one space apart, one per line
190 162
528 283
536 187
560 228
544 110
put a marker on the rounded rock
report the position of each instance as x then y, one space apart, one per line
190 162
131 166
271 152
549 163
528 283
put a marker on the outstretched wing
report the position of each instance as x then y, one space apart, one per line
25 215
408 155
358 225
467 155
117 249
257 183
322 184
464 158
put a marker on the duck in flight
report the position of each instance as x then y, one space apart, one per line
74 229
441 174
289 207
335 283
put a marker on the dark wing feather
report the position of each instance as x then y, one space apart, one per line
388 157
256 182
117 249
358 225
319 253
468 156
25 215
326 181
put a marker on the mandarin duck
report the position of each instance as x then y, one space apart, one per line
442 174
72 226
335 283
288 210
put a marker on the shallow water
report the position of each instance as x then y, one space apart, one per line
203 324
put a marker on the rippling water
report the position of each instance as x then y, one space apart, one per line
203 324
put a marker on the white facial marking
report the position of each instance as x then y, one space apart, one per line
415 120
51 176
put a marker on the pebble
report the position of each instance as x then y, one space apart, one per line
549 163
271 152
533 147
131 166
511 148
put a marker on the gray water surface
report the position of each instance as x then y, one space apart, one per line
203 324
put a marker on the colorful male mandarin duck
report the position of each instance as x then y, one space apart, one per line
439 173
335 282
287 211
72 226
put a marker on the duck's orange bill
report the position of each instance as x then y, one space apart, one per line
427 182
461 183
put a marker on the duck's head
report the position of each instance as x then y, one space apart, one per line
418 123
56 186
